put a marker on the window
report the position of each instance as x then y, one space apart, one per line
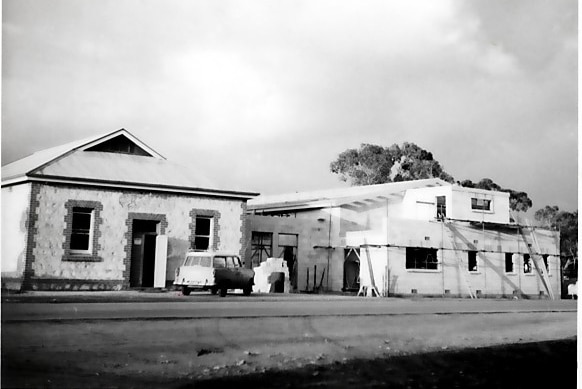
231 262
441 204
545 258
261 247
472 256
480 204
421 258
205 261
202 233
82 231
197 261
219 262
204 229
526 263
82 222
509 262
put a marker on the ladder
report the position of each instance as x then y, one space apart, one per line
535 256
363 289
464 272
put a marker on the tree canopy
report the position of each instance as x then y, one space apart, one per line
567 223
372 164
564 221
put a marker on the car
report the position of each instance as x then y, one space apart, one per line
213 271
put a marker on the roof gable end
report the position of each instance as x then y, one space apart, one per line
18 170
121 142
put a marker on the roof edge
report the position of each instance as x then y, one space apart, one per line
135 186
90 142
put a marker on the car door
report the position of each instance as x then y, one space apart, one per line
235 271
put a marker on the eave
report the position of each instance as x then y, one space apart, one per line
130 186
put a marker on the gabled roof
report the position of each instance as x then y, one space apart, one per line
338 196
116 159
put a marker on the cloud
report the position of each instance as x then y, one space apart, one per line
488 86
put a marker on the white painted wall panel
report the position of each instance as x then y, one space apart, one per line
15 209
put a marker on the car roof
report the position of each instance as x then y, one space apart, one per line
211 253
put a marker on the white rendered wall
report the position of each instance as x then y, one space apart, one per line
15 208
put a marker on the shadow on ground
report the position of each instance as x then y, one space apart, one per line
530 365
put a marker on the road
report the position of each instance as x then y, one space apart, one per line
183 343
200 306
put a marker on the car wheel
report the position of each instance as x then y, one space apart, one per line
213 290
186 291
247 291
223 291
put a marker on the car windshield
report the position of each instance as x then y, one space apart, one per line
197 261
205 261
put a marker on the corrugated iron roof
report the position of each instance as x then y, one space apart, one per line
27 164
338 196
112 167
70 163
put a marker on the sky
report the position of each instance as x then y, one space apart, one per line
262 95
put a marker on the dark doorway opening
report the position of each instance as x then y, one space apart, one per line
143 253
290 256
351 270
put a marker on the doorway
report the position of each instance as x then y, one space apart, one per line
351 270
289 255
288 244
143 253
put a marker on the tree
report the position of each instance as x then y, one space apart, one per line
567 223
372 164
563 221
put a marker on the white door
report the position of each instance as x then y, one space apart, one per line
161 261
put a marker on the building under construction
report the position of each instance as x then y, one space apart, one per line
424 237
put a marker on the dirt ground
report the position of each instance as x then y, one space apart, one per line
417 351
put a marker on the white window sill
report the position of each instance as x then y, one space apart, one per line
423 270
80 253
482 211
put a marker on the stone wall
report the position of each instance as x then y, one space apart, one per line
49 259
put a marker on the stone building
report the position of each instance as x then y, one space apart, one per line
425 237
109 212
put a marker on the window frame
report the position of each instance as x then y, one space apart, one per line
413 253
510 257
441 207
257 248
78 231
546 261
476 207
209 236
472 256
527 260
91 253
